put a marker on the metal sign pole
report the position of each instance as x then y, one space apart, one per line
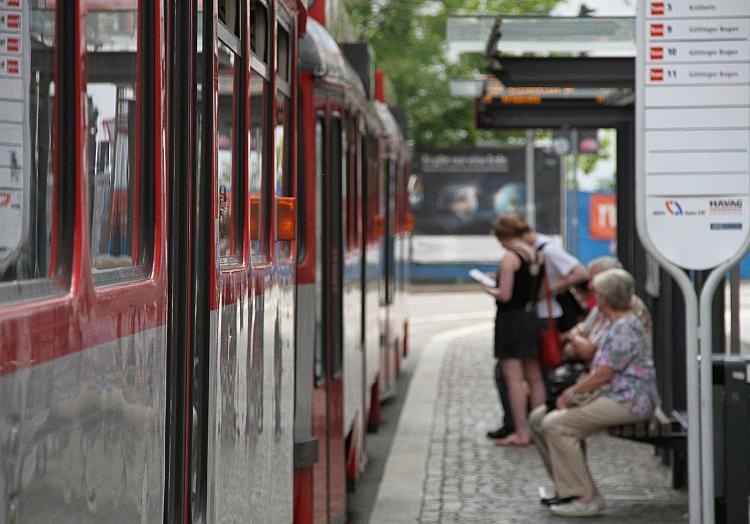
706 351
693 197
530 175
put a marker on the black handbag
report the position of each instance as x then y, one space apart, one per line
572 314
562 378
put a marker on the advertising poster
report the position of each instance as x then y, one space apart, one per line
603 217
456 194
460 192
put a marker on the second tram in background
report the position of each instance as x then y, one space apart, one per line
201 263
352 269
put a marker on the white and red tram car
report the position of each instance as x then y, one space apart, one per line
158 305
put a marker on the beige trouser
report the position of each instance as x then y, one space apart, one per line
562 440
536 417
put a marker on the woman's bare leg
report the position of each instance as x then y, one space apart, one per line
514 376
533 373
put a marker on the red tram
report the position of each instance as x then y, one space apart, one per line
202 255
352 180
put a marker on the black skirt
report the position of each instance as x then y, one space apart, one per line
516 334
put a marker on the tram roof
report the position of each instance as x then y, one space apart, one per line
320 54
390 125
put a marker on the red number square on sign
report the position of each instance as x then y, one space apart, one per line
656 53
657 75
14 3
13 68
13 45
657 8
657 29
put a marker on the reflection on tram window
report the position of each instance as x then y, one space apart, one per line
27 177
280 158
230 239
113 107
255 145
259 31
283 179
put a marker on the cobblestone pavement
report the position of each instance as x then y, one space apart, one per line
470 480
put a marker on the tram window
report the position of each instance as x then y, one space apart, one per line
282 160
362 204
283 53
320 354
118 183
301 183
256 145
335 248
230 226
28 181
344 159
229 15
353 222
259 30
283 182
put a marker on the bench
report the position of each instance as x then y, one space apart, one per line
659 430
668 434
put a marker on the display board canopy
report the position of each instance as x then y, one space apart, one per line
544 36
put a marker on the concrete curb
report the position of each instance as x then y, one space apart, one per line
399 498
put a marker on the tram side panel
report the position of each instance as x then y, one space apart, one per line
403 234
352 303
251 353
373 234
82 315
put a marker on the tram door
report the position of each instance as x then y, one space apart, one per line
329 472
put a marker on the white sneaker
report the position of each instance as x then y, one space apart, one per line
576 508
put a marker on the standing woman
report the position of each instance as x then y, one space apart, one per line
517 327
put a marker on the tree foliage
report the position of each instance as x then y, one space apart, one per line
408 37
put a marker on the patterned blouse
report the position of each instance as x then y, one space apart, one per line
626 350
596 324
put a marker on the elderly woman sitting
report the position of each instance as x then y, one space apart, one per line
623 372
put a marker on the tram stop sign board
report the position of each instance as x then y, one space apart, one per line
693 128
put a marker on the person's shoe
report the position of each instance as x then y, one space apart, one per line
500 432
576 508
553 501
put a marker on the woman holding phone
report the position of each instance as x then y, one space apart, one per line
517 327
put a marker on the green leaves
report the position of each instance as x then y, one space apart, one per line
408 37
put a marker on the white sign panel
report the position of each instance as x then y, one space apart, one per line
15 63
693 112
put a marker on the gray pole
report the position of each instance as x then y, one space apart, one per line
691 342
530 182
573 244
563 195
707 392
734 301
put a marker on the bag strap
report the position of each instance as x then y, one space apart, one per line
548 299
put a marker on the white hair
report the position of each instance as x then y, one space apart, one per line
616 287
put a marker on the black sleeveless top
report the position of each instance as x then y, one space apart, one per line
525 287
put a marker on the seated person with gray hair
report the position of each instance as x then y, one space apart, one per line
579 348
621 389
583 339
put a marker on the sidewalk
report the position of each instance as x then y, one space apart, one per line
442 468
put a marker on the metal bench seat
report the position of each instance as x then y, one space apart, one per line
660 430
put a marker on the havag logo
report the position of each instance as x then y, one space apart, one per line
673 207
